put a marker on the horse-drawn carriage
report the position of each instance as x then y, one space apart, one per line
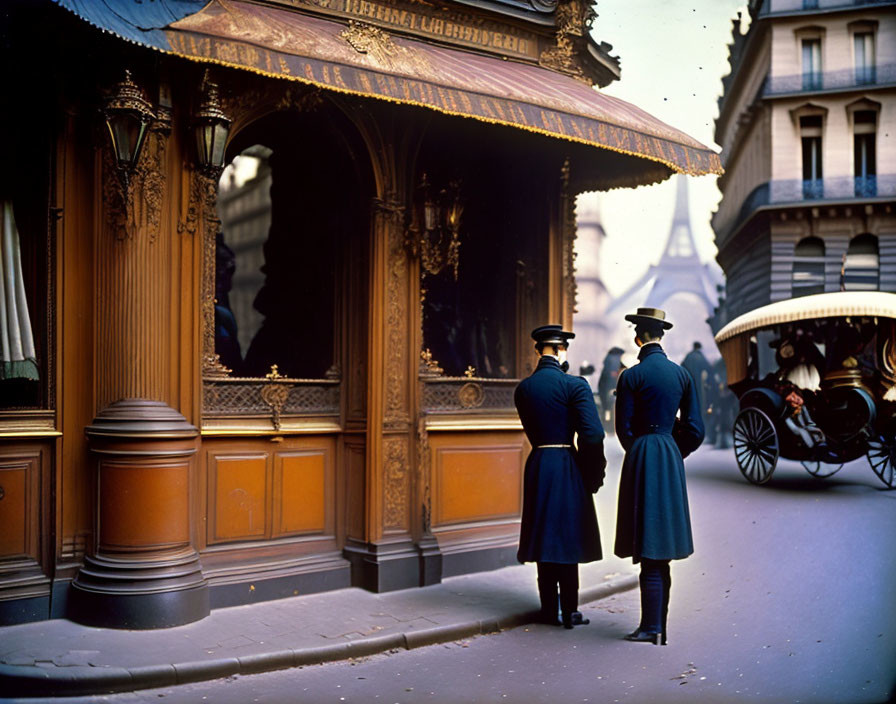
816 380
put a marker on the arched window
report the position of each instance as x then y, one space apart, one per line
285 229
808 267
861 268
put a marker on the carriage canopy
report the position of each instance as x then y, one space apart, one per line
734 339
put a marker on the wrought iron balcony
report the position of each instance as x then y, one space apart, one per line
796 191
839 188
843 79
773 7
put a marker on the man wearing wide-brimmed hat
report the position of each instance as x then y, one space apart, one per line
653 524
559 525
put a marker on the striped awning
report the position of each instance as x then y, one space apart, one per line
865 304
368 61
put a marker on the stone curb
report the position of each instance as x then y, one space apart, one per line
32 681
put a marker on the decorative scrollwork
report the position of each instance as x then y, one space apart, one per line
134 204
574 19
461 395
471 395
249 397
429 367
367 39
395 480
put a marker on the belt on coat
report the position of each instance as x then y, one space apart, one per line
541 447
653 429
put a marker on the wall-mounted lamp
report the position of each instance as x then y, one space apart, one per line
211 127
128 115
435 226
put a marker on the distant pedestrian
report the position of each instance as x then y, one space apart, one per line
724 406
653 523
606 384
701 372
559 524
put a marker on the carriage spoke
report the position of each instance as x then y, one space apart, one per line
768 434
881 453
752 467
755 445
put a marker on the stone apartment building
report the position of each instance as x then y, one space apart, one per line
807 124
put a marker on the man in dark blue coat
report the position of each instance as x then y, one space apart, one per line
696 364
653 525
559 524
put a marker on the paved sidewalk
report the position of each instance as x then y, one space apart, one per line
58 657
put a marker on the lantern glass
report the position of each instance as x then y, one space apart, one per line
204 137
128 132
430 215
211 140
219 142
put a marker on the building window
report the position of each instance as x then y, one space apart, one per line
26 281
812 64
810 4
863 43
861 265
865 153
810 134
808 267
277 259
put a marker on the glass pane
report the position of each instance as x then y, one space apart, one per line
808 267
861 271
864 57
275 266
811 64
811 158
471 322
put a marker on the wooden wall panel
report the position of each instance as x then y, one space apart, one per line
264 489
238 486
20 508
162 503
476 477
14 508
302 482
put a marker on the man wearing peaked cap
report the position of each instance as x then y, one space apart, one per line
653 525
559 525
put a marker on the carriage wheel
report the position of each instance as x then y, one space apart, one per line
755 445
822 470
882 458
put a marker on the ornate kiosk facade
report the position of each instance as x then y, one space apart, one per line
279 261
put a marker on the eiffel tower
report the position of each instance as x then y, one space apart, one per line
679 269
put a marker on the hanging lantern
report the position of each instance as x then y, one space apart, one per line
211 127
128 116
436 224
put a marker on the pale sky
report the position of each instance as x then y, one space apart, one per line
673 56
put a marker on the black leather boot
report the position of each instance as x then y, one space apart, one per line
548 594
574 618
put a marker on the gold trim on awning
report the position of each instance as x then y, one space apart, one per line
364 60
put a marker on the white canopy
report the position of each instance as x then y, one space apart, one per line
821 305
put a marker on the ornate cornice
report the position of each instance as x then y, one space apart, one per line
574 18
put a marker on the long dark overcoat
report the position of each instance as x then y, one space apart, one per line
559 523
652 518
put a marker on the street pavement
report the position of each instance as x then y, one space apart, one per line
788 598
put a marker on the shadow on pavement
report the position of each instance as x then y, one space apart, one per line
719 466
